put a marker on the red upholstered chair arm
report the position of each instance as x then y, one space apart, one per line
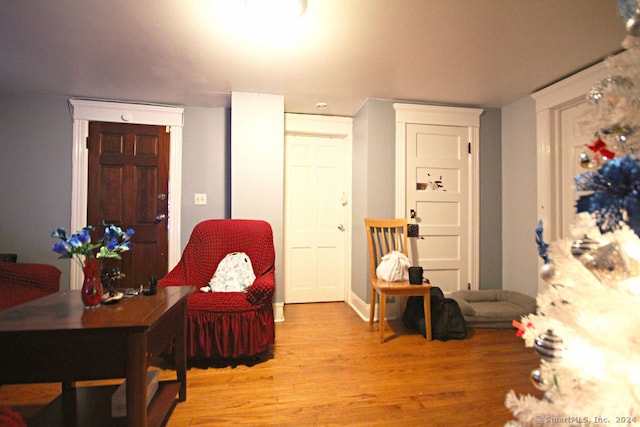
262 290
172 280
43 277
180 276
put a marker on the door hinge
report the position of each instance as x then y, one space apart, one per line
469 286
87 142
469 147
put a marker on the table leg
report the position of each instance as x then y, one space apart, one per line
372 306
180 352
69 403
137 379
427 315
381 315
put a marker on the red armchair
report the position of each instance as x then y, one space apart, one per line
23 282
227 324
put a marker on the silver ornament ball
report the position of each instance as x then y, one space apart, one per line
583 246
633 25
549 346
547 272
539 381
586 161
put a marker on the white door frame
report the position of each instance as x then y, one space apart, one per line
330 126
443 116
550 102
84 111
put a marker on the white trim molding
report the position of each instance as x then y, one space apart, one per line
360 307
333 126
443 116
278 312
84 111
550 102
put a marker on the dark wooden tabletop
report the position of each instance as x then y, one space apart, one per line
64 311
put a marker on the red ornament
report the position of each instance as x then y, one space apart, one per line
600 147
521 328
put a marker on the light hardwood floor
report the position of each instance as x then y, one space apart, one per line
329 368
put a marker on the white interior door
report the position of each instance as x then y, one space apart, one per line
438 190
315 218
575 128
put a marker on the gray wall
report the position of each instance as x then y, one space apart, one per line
374 136
35 172
257 167
490 199
205 166
519 190
35 176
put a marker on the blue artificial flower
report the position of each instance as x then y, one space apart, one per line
615 194
112 244
63 248
111 232
75 241
79 244
84 236
59 233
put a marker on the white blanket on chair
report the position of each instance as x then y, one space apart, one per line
234 274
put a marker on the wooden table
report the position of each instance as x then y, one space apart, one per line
55 339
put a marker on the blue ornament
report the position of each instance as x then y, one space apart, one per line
627 8
542 246
615 194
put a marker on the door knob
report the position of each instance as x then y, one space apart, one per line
160 217
340 227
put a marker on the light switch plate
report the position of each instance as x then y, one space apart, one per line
201 199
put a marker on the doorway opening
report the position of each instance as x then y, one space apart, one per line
85 111
317 232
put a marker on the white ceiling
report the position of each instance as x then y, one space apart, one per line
485 53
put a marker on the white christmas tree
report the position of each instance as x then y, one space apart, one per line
587 325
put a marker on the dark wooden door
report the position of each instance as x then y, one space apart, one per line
128 186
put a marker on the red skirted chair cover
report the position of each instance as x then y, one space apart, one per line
227 324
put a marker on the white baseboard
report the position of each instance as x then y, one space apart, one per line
278 311
359 306
394 309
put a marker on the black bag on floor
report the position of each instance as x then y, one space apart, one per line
447 321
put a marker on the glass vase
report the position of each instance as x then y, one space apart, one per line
91 286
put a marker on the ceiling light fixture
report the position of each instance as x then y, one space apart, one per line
273 22
278 10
